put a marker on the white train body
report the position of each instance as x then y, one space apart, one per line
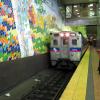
65 45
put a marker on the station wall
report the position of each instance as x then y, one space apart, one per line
24 30
77 28
80 28
98 28
43 16
9 45
98 37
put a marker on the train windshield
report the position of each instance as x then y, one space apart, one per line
65 41
56 35
55 42
74 42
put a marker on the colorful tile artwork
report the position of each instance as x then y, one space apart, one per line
9 46
31 22
41 19
20 9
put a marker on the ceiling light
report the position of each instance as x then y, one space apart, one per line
91 8
90 5
91 13
76 10
78 13
75 6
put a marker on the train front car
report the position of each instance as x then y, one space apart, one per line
59 47
65 48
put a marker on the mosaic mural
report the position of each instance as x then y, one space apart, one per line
9 46
25 29
20 8
42 18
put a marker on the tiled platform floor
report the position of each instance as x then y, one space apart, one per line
96 76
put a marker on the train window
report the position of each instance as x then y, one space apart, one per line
74 42
55 42
64 41
56 35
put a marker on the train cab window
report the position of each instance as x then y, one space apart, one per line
55 42
74 42
56 35
64 41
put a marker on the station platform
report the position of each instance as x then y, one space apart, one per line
84 84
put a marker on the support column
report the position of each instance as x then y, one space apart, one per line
98 36
20 10
98 27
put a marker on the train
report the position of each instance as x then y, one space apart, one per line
65 47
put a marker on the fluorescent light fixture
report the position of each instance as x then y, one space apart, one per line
7 94
91 8
90 5
78 13
91 13
75 6
76 10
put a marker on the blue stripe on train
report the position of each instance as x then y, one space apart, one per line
75 49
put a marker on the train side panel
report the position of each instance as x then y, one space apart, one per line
55 47
75 49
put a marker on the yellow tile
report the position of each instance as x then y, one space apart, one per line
76 89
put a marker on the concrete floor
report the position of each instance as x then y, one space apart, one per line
96 76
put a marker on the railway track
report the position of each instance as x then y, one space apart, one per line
52 85
51 88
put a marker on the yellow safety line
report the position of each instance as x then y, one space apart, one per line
76 89
96 76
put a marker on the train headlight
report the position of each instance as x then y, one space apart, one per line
72 34
55 50
67 34
61 34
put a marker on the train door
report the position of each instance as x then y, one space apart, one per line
65 45
75 44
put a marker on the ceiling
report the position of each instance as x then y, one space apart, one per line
81 12
66 2
80 8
